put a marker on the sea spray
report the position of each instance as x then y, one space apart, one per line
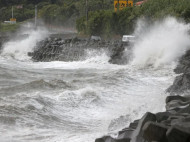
19 49
161 43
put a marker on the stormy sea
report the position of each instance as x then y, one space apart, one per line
78 101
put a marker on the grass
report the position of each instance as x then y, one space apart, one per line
9 27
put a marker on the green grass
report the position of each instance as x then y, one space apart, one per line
9 27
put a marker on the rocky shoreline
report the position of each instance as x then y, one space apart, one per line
75 49
173 125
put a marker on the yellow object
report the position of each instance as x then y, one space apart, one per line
122 4
13 19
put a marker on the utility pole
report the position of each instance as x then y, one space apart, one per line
36 14
12 13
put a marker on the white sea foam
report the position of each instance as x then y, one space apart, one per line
161 43
84 109
18 49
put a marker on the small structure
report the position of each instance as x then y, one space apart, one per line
12 20
95 38
120 4
140 3
128 38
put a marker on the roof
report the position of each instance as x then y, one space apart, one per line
140 2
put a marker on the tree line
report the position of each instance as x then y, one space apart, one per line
108 23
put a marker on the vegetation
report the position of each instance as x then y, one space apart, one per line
102 20
9 27
108 22
56 12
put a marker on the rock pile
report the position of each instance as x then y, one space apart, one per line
173 125
3 39
74 49
182 82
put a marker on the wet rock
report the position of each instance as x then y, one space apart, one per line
110 139
180 84
161 116
118 123
183 64
154 132
176 105
175 134
123 140
137 135
125 134
105 139
134 124
171 98
120 55
74 49
124 130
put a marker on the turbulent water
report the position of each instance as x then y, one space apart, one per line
79 101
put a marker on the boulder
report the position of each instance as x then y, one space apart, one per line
127 134
184 109
134 124
110 139
154 132
105 139
183 64
124 130
171 98
137 134
176 105
161 116
175 134
181 84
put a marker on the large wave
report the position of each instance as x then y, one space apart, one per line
161 43
19 48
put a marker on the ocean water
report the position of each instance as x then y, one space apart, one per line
82 100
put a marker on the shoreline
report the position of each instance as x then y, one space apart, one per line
172 125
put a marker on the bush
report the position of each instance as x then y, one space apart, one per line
108 22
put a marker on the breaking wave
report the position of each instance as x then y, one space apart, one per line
161 43
19 48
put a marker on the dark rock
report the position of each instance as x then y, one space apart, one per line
123 140
183 64
183 123
161 116
74 49
176 105
175 134
124 130
105 139
137 135
175 117
120 55
171 98
110 139
154 132
133 125
181 84
166 123
126 134
185 109
30 54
